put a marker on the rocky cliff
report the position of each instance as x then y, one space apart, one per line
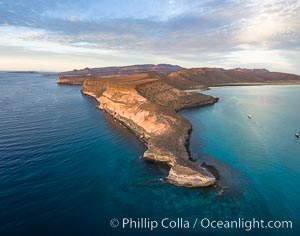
147 103
71 79
147 106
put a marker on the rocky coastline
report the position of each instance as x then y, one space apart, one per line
147 105
145 99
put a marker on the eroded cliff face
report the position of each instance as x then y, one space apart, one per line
147 106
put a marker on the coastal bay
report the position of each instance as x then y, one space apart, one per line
263 149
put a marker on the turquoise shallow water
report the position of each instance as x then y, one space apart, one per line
263 149
67 168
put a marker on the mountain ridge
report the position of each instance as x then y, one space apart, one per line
123 70
185 78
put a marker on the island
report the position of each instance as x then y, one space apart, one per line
146 98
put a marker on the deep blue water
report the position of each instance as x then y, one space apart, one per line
67 168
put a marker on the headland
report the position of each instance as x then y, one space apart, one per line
145 99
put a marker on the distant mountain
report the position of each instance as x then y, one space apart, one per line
23 72
200 77
122 70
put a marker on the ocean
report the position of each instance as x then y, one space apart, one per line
67 168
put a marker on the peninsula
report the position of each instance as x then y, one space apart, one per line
145 99
147 105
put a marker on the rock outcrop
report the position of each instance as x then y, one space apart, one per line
75 80
147 105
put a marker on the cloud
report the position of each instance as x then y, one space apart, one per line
190 33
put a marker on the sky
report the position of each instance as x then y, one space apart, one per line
60 35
